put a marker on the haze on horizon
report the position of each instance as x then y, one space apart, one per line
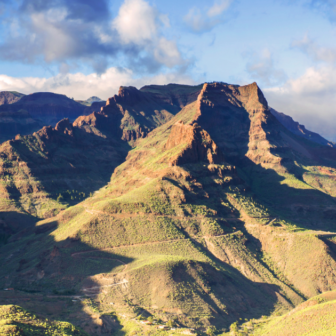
85 48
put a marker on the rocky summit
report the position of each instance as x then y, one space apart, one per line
170 210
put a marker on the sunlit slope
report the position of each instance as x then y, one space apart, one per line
315 317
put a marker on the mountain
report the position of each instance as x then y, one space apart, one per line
31 112
47 107
90 101
53 168
93 99
56 167
10 97
216 213
300 130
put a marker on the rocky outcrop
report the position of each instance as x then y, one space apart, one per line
198 145
239 121
54 166
64 126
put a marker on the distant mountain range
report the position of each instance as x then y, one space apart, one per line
25 114
196 208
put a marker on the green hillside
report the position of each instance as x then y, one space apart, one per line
15 321
315 317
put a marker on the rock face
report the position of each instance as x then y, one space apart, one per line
133 113
240 122
299 129
236 117
10 97
198 146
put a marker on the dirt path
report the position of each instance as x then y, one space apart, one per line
125 246
127 215
88 289
77 254
142 244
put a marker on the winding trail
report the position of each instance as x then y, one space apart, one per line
124 215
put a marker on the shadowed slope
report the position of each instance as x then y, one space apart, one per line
46 106
300 130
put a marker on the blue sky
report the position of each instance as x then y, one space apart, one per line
90 47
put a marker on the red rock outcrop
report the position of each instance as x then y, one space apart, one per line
239 120
64 126
199 145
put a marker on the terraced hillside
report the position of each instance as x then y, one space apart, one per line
219 214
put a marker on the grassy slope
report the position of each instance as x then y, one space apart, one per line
315 317
15 321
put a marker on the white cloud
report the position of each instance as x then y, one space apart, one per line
139 23
309 99
314 51
82 86
136 22
55 42
56 32
219 7
261 68
200 21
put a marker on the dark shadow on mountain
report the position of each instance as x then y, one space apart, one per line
12 223
306 207
242 297
52 278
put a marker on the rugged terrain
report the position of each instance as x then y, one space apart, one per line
215 213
